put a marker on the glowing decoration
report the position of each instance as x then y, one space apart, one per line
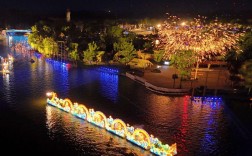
213 102
7 64
64 65
99 119
118 127
141 138
81 111
205 39
108 70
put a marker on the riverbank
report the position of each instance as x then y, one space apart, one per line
216 83
209 82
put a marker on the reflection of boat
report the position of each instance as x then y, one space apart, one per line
137 136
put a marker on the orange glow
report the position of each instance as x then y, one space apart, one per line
206 40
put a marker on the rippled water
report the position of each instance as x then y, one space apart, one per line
29 125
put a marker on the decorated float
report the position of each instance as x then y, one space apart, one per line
6 64
116 126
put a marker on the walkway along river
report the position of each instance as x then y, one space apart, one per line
29 125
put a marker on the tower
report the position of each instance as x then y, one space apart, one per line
68 15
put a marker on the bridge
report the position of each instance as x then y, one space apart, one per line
12 32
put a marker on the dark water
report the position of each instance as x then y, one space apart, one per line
28 125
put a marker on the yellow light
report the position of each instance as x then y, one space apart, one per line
183 23
197 35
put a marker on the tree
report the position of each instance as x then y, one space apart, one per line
49 46
34 39
246 45
73 52
246 72
236 58
90 53
158 55
99 56
125 51
183 61
112 35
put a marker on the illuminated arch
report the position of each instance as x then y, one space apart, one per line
146 135
54 95
98 113
173 149
83 109
121 122
68 103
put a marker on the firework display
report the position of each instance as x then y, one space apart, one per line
205 39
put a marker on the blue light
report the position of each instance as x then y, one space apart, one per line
109 86
57 64
213 102
109 70
37 55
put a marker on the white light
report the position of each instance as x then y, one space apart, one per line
49 94
158 66
166 62
157 42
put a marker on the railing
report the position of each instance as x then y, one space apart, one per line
154 88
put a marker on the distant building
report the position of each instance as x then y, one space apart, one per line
68 15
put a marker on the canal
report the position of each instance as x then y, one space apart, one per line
28 125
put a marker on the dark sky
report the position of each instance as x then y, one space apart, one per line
136 6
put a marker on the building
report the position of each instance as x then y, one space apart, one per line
68 15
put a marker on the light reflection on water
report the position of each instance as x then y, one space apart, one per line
109 86
6 83
86 136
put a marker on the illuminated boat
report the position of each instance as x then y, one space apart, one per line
98 118
117 127
81 112
136 136
140 137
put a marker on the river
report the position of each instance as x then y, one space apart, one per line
30 126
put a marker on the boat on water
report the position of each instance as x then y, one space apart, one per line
136 136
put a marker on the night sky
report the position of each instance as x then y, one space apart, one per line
147 7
